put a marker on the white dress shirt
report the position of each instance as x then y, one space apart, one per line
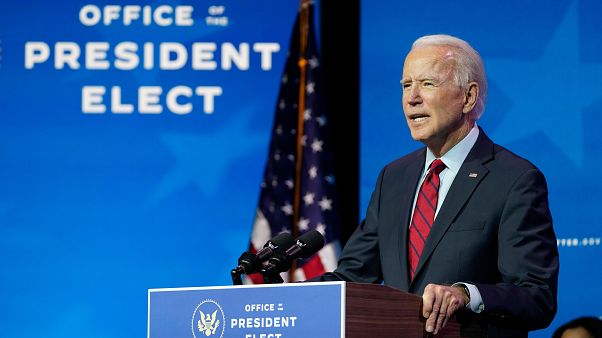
453 160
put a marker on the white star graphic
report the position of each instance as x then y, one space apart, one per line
284 78
272 207
309 198
549 94
304 140
291 157
275 181
313 172
314 62
287 208
325 204
316 145
303 224
277 156
321 228
310 87
200 163
279 130
289 183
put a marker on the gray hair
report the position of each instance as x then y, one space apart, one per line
469 65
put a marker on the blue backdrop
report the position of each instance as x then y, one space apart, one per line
96 208
544 62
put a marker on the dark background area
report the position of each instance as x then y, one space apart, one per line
340 48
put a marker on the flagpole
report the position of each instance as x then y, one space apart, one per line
303 30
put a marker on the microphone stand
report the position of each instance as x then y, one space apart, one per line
236 276
271 270
246 259
272 277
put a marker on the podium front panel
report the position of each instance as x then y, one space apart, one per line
257 311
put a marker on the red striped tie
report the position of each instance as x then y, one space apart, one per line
424 214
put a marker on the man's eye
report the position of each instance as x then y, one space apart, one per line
405 85
428 84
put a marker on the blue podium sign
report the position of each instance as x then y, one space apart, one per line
254 311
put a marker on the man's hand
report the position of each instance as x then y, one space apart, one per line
439 303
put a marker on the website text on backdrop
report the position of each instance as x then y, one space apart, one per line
463 222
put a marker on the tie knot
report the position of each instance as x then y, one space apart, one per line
437 166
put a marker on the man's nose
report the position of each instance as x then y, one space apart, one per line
413 95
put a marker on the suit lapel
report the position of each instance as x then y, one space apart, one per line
471 173
404 195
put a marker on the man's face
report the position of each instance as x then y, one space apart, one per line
432 101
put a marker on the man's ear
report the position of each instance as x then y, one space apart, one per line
470 97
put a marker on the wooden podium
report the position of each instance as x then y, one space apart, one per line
329 309
381 311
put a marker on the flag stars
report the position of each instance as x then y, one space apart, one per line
316 145
313 62
289 183
325 204
275 182
304 140
310 87
284 78
307 114
321 228
272 207
287 209
281 104
321 120
291 157
329 179
277 156
303 224
309 199
313 172
279 130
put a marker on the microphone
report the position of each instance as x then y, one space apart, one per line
250 263
306 245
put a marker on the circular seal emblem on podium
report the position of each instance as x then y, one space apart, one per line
208 320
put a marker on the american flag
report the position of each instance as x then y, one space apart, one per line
316 191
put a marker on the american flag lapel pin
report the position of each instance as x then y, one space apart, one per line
473 175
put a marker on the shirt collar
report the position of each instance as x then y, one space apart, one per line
454 158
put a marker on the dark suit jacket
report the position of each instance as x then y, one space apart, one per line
494 230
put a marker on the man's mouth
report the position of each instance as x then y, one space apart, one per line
418 117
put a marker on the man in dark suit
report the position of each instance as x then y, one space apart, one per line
463 222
